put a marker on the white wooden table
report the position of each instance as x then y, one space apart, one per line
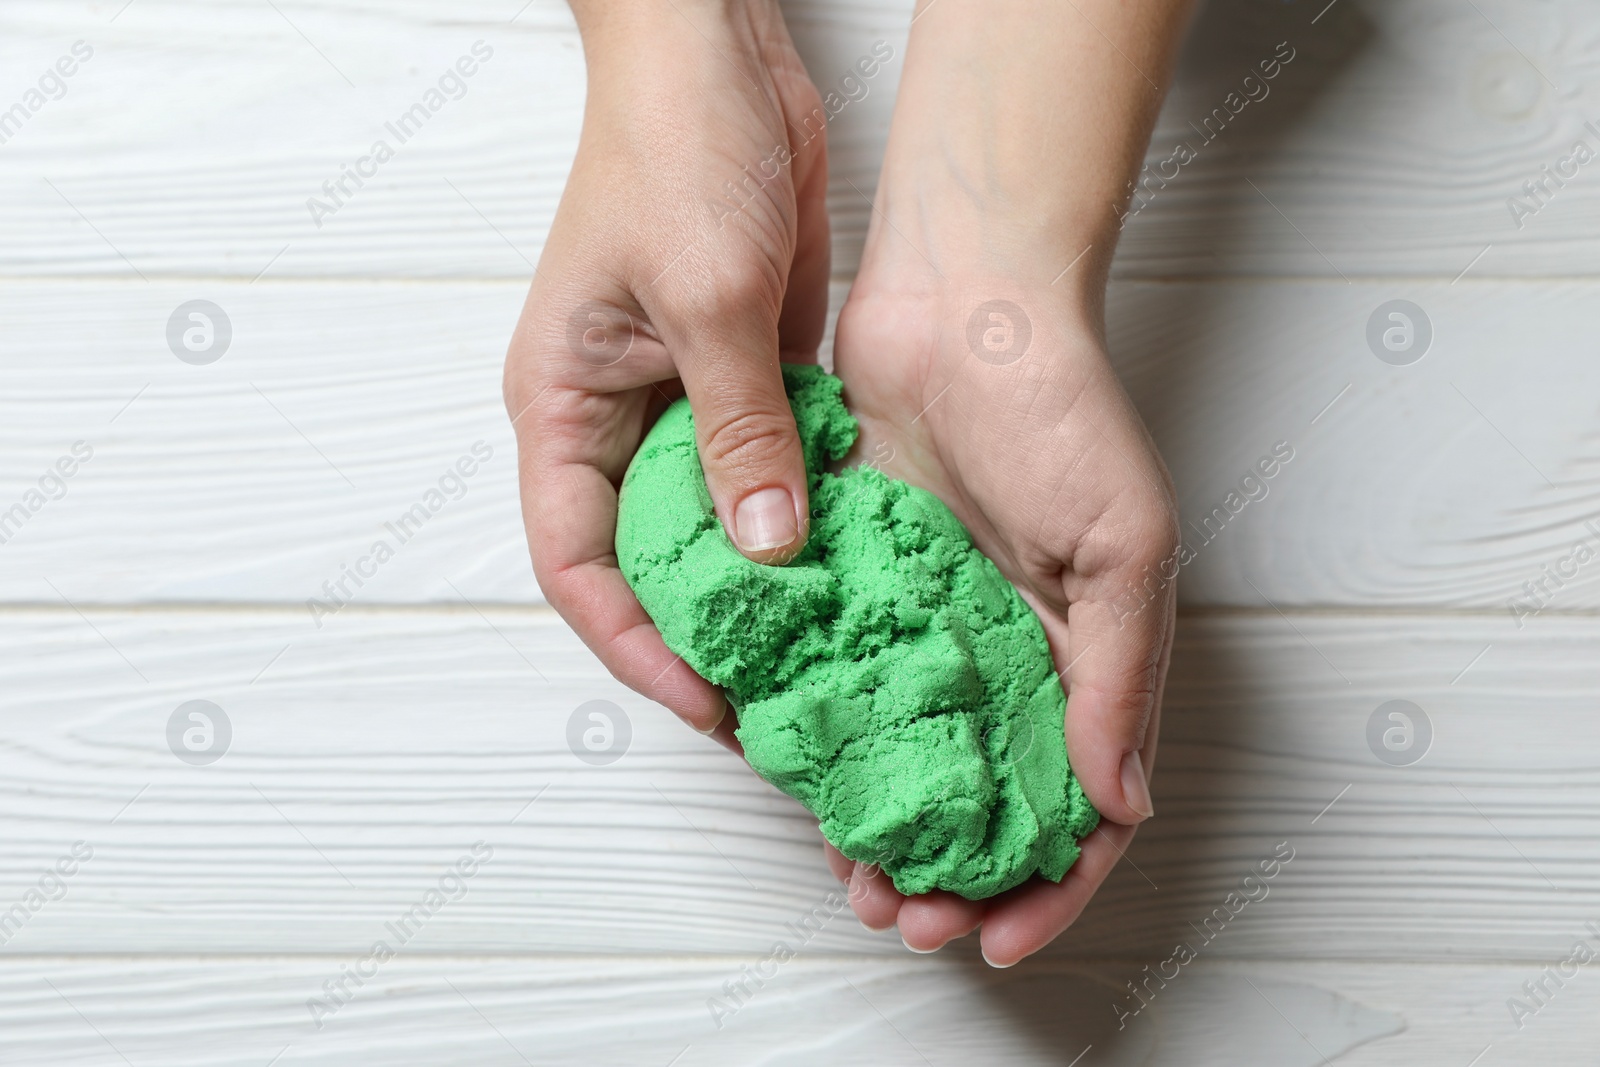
212 907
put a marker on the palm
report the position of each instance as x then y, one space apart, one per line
1016 449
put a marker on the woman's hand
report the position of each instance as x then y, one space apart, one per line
972 351
996 395
689 253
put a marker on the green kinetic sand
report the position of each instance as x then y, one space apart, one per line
889 678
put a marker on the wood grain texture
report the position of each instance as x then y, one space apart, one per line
339 406
371 752
817 1009
1450 482
335 410
368 756
193 140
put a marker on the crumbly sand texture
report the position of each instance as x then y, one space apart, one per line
889 677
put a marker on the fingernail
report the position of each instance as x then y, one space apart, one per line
919 951
1135 790
765 519
875 929
996 966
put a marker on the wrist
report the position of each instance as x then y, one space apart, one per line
1060 238
895 307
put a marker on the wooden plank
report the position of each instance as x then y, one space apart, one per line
338 407
1449 482
194 138
1389 145
367 757
333 413
628 1011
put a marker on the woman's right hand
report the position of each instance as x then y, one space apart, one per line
688 255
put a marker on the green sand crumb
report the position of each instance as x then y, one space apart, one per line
889 677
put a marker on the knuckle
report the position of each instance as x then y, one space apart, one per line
1136 552
1146 525
733 289
1132 703
1154 513
749 441
566 587
554 583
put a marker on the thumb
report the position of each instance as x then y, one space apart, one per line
1118 653
749 448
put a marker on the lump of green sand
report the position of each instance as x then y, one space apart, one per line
889 677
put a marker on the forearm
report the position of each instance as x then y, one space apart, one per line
1019 126
624 39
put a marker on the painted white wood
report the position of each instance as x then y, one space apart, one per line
372 751
334 411
366 757
1450 482
947 1009
337 407
192 141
